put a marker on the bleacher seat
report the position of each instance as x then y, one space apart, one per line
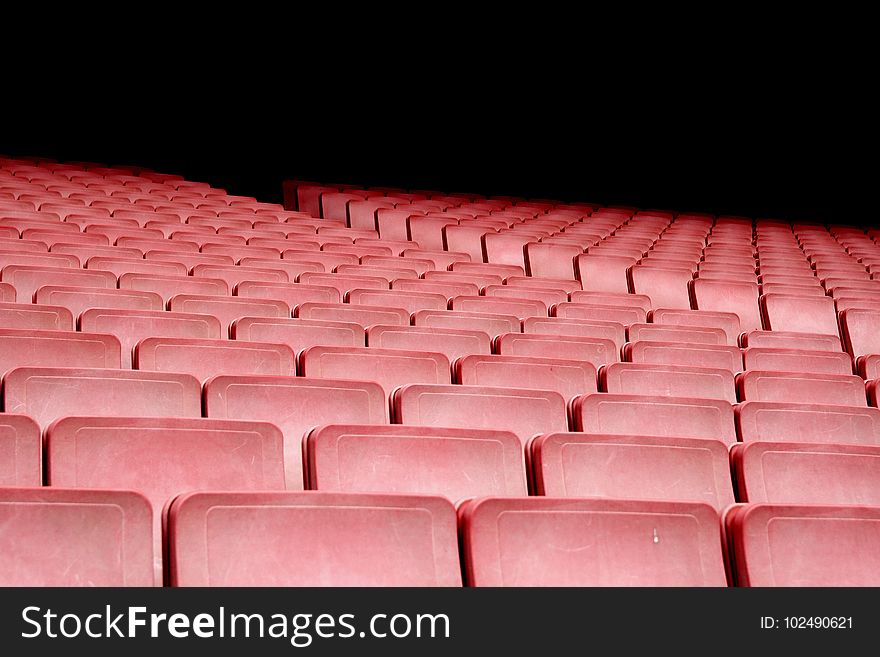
227 309
727 322
27 280
523 411
516 306
36 348
797 360
389 368
798 546
812 423
684 353
799 314
454 463
805 473
604 273
491 324
295 405
596 351
77 299
164 457
312 539
206 358
298 334
48 393
567 377
667 288
620 314
22 450
545 541
31 316
671 417
740 298
62 537
132 326
668 381
363 315
859 328
632 467
789 340
453 343
576 327
673 333
411 301
798 387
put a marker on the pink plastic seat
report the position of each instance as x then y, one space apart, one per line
633 467
312 539
62 537
544 541
454 463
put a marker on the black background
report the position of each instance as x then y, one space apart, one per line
788 145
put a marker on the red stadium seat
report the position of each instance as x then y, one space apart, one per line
788 545
411 301
363 315
235 275
295 405
522 411
389 368
673 333
633 467
668 381
453 343
48 393
293 294
227 309
731 297
727 322
164 457
604 273
667 288
803 473
132 326
27 280
77 299
797 360
544 541
34 259
799 314
22 450
120 266
448 289
859 328
206 358
551 260
620 314
548 296
597 351
43 541
788 340
454 463
684 353
312 539
576 327
795 387
671 417
34 348
344 282
169 286
567 377
489 323
298 334
807 423
30 316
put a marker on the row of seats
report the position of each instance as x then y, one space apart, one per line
344 539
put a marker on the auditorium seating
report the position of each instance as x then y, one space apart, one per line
632 467
312 539
793 545
320 371
455 463
547 541
63 537
164 457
